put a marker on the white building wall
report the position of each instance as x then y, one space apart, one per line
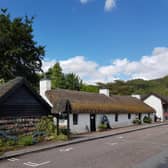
156 104
83 123
122 120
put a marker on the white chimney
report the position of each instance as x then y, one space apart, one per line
136 96
45 84
106 92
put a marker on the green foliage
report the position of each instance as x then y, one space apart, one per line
11 142
64 131
90 88
102 126
1 142
25 140
147 120
137 121
72 82
2 81
62 137
46 124
61 80
137 86
20 54
56 75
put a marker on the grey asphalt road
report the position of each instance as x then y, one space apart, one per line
142 149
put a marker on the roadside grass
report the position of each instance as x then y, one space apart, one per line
28 140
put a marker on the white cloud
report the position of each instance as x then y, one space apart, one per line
84 1
148 67
109 5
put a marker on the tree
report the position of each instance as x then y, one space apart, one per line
90 88
73 82
56 76
19 53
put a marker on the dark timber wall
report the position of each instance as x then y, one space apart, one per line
22 103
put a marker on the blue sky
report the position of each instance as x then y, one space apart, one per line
106 37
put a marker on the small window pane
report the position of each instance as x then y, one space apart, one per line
116 117
75 119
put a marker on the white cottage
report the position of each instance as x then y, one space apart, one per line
159 103
89 109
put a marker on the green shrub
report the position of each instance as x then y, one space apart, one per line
64 131
11 142
62 137
102 126
46 124
147 120
26 140
1 142
137 121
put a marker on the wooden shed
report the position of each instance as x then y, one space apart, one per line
20 105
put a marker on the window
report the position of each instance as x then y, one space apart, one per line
129 116
116 117
139 116
149 115
75 119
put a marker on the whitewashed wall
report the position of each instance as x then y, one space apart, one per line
122 120
156 104
83 122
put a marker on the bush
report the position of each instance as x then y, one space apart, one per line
147 120
103 126
137 121
26 140
64 131
1 142
11 142
46 124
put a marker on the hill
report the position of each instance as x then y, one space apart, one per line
137 86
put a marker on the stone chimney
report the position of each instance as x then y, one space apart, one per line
45 84
106 92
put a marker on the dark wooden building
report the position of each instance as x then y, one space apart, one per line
19 103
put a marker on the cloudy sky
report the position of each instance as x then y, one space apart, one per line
100 40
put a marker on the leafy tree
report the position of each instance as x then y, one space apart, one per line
61 80
90 88
56 76
72 82
19 53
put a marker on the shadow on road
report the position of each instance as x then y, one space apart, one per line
163 165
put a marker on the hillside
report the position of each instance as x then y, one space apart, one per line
138 86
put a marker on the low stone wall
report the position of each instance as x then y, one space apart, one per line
17 126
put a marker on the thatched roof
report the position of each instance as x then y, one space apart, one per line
84 102
62 105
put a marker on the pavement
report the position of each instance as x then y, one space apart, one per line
145 148
79 139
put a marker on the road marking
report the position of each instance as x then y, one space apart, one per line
65 150
120 137
13 159
31 164
111 144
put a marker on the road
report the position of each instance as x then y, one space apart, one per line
141 149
